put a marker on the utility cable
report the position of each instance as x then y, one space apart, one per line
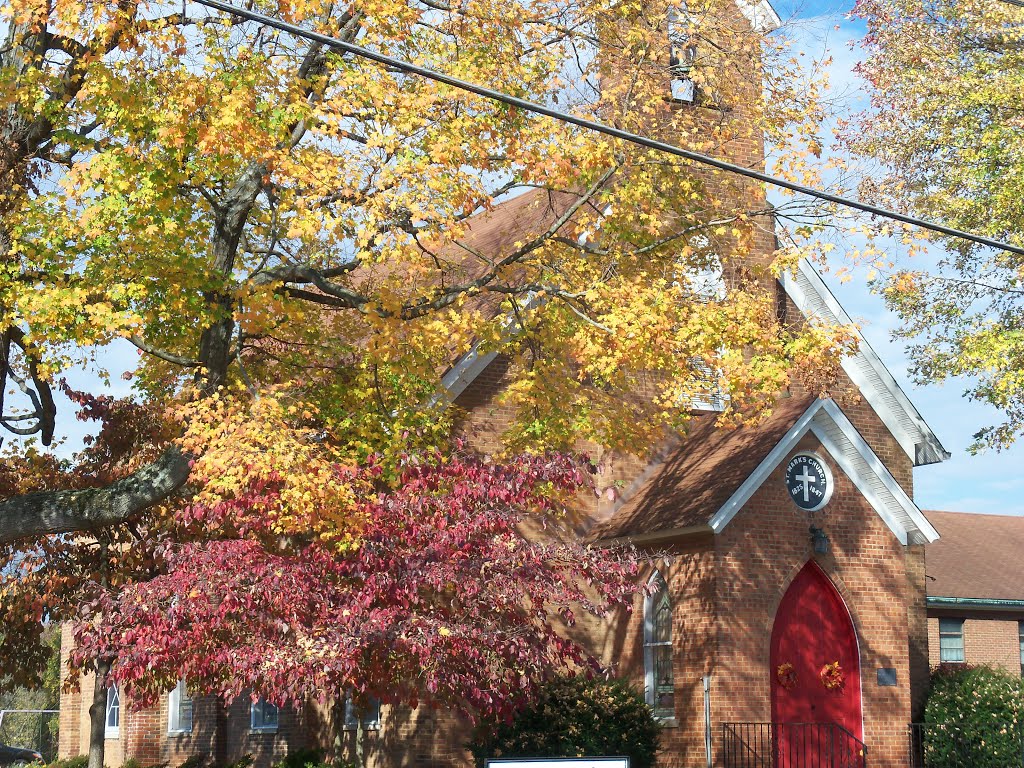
618 133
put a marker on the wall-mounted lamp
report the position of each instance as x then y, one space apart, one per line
819 540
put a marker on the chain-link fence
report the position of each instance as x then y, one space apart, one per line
34 729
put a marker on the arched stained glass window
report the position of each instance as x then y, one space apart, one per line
659 683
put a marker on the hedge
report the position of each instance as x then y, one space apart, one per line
974 716
574 717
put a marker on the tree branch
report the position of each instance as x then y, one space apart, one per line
50 512
165 356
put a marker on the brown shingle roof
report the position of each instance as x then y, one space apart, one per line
976 556
699 474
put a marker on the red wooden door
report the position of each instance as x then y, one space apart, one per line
813 629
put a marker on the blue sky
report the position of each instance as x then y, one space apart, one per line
992 483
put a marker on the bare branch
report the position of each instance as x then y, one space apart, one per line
161 354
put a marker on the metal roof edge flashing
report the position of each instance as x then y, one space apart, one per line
974 602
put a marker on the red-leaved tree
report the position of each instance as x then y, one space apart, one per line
443 601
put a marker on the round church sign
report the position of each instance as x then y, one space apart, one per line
809 481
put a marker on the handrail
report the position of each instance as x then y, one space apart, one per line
786 745
854 739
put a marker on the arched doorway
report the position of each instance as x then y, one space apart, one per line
812 631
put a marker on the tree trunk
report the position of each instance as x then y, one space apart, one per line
98 714
338 730
220 737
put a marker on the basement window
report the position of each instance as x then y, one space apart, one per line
263 716
951 641
365 715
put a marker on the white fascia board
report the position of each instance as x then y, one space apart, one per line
756 478
462 374
885 496
898 497
761 15
472 364
867 371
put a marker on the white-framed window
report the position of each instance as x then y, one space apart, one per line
681 55
112 721
263 716
659 683
367 714
179 709
951 641
1020 638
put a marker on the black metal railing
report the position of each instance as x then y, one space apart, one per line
939 745
791 745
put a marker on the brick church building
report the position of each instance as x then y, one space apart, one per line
787 612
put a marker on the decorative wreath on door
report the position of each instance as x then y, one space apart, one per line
832 676
786 675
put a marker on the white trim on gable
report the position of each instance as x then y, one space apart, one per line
862 465
464 372
761 15
826 421
472 364
866 370
756 478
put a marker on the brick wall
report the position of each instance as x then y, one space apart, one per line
990 639
143 733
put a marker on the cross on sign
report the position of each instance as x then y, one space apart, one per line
808 482
806 479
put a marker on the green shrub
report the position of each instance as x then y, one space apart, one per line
198 760
301 758
574 717
308 758
245 761
974 716
78 761
133 762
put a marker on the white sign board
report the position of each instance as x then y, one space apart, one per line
560 762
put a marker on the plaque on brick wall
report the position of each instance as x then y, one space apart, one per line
809 481
886 676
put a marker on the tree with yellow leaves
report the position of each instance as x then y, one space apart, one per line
302 244
946 126
252 209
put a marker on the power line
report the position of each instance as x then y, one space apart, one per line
633 138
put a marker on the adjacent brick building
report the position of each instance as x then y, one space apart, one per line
976 590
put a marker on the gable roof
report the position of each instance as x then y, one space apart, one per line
697 475
979 558
706 480
866 370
